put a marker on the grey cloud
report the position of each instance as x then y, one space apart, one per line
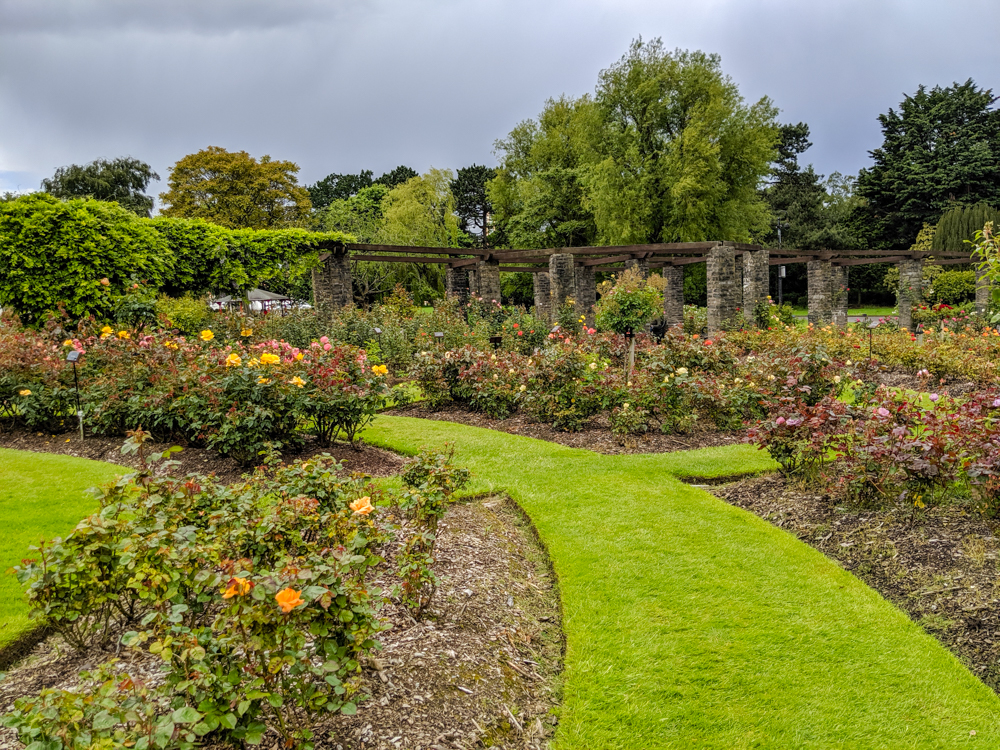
350 85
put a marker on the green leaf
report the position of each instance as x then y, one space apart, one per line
348 709
275 700
185 715
103 721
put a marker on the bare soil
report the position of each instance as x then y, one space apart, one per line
373 461
905 379
595 436
480 670
939 566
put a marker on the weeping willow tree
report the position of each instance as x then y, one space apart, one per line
666 149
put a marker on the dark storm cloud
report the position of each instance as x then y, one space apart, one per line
354 84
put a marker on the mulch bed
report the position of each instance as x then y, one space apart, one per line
479 670
595 436
373 461
900 378
940 567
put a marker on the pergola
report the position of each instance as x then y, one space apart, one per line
737 274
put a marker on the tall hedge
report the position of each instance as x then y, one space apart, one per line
55 252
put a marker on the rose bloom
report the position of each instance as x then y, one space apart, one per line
237 587
269 359
233 360
288 599
207 335
362 506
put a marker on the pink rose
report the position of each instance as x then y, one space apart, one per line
934 397
882 412
780 420
324 340
327 347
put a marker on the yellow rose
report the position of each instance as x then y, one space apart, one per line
297 382
269 359
67 342
207 335
299 356
362 506
233 360
123 335
262 381
246 332
24 392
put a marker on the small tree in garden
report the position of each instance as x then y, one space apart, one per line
629 305
986 247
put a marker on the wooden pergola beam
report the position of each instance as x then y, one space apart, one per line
401 259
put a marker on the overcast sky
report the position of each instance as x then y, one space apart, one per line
345 85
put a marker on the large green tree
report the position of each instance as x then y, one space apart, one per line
335 187
472 204
123 180
361 215
666 150
538 197
235 190
941 148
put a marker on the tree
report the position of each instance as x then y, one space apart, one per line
666 150
958 226
421 212
123 180
336 187
472 204
537 195
941 148
397 176
235 190
361 215
795 195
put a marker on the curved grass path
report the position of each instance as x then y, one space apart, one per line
691 623
42 495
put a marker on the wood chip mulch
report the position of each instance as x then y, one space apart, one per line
370 460
940 566
595 436
480 670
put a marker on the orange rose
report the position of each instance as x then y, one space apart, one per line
288 599
237 587
362 506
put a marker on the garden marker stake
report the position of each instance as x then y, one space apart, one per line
73 356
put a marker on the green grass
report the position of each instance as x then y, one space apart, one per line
691 623
871 312
42 496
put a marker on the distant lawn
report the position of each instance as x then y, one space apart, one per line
692 623
42 496
871 312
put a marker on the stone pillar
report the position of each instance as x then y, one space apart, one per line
673 295
820 293
332 284
641 263
721 273
911 274
756 280
456 283
473 281
543 296
562 278
488 276
586 292
982 293
839 289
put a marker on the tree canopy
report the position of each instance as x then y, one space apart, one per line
940 149
335 187
665 150
472 204
958 226
123 180
234 190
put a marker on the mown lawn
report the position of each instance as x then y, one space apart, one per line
42 496
691 623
